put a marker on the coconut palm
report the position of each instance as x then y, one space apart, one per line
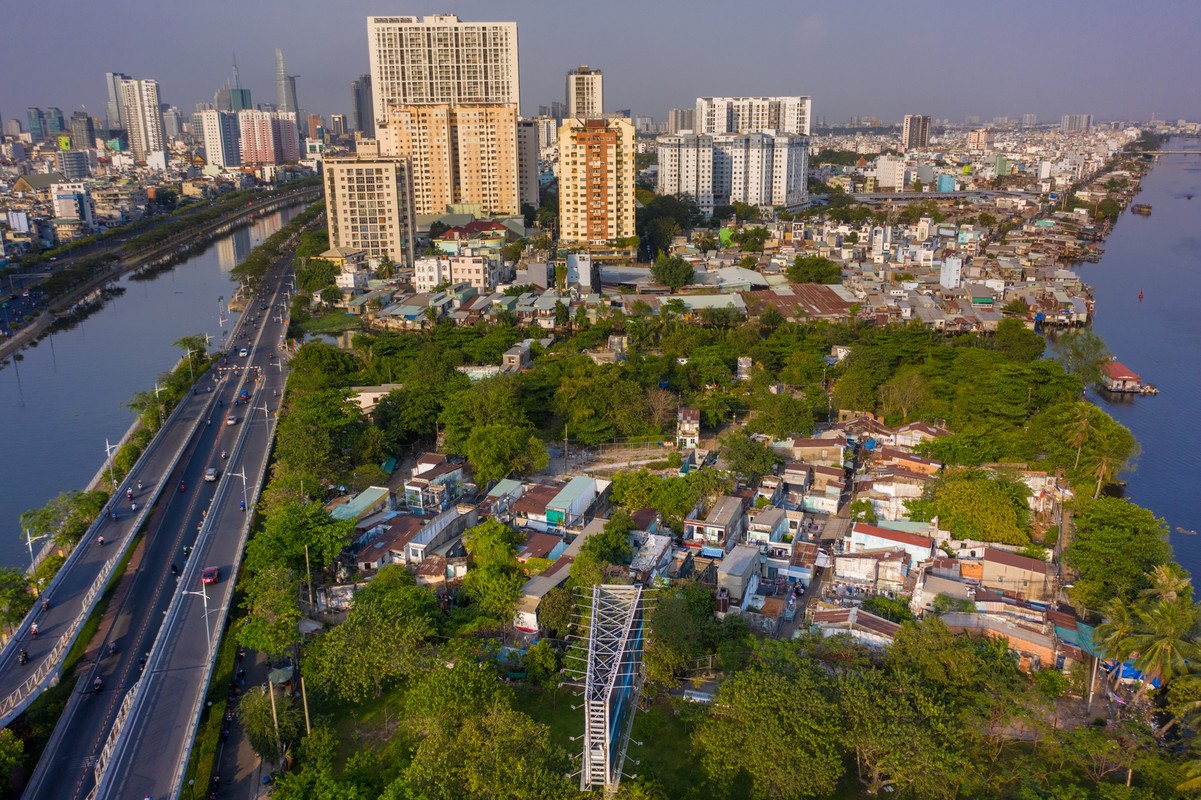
1168 582
1164 640
1081 425
1112 638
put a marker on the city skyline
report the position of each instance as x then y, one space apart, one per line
807 52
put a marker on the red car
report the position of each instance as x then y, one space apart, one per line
210 575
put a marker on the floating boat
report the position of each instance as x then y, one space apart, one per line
1141 208
1185 531
1140 295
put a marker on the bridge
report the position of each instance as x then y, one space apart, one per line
1158 153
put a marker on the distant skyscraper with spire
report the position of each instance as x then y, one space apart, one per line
231 96
285 86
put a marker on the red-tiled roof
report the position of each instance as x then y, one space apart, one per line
1009 559
1117 371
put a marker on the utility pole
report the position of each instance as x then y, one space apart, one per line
242 475
108 452
275 718
308 571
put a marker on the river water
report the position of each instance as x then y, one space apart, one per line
1160 339
60 399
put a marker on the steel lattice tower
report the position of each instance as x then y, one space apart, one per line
612 684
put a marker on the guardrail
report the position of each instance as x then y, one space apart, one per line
18 699
114 741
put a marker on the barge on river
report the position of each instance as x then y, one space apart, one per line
1141 208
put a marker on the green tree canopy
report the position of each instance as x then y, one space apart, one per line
814 269
672 271
974 505
1114 545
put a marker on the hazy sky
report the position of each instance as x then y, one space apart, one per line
1109 58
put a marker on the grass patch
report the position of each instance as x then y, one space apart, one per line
329 323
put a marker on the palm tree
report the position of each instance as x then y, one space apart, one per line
1112 638
1164 640
1168 582
1081 426
1103 472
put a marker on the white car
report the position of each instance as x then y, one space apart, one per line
210 474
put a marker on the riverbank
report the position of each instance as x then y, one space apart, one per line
34 330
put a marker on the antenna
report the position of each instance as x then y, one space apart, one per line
237 83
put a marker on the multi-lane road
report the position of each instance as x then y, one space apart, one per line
138 743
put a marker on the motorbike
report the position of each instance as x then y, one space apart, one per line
112 648
181 486
175 570
22 658
97 684
100 541
224 454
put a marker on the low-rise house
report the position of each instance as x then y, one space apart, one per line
830 451
435 488
862 626
892 457
1026 578
652 558
878 571
529 510
1035 650
738 574
568 508
367 502
869 537
688 428
368 397
1117 377
720 530
526 619
912 434
518 357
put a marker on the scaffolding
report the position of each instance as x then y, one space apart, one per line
612 684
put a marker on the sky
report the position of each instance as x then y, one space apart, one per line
945 58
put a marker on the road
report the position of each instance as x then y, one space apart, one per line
150 754
149 587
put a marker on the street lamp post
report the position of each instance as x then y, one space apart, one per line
208 634
245 496
108 453
29 543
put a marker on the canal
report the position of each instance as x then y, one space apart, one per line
62 398
1159 337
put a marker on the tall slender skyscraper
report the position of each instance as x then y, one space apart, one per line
363 107
143 117
285 86
114 117
83 132
915 132
37 123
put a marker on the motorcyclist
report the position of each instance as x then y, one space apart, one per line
129 494
134 506
224 454
112 648
33 629
175 570
113 512
22 657
100 540
181 486
97 683
139 486
242 503
45 604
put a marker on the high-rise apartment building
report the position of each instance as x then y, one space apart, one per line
979 139
369 203
172 123
585 92
681 119
55 124
219 130
268 137
1029 120
915 132
316 126
1076 123
760 169
752 114
686 167
438 59
463 154
363 107
73 164
143 117
112 81
527 162
37 123
337 125
83 131
285 86
596 180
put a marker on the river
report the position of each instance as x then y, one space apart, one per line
62 398
1159 338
